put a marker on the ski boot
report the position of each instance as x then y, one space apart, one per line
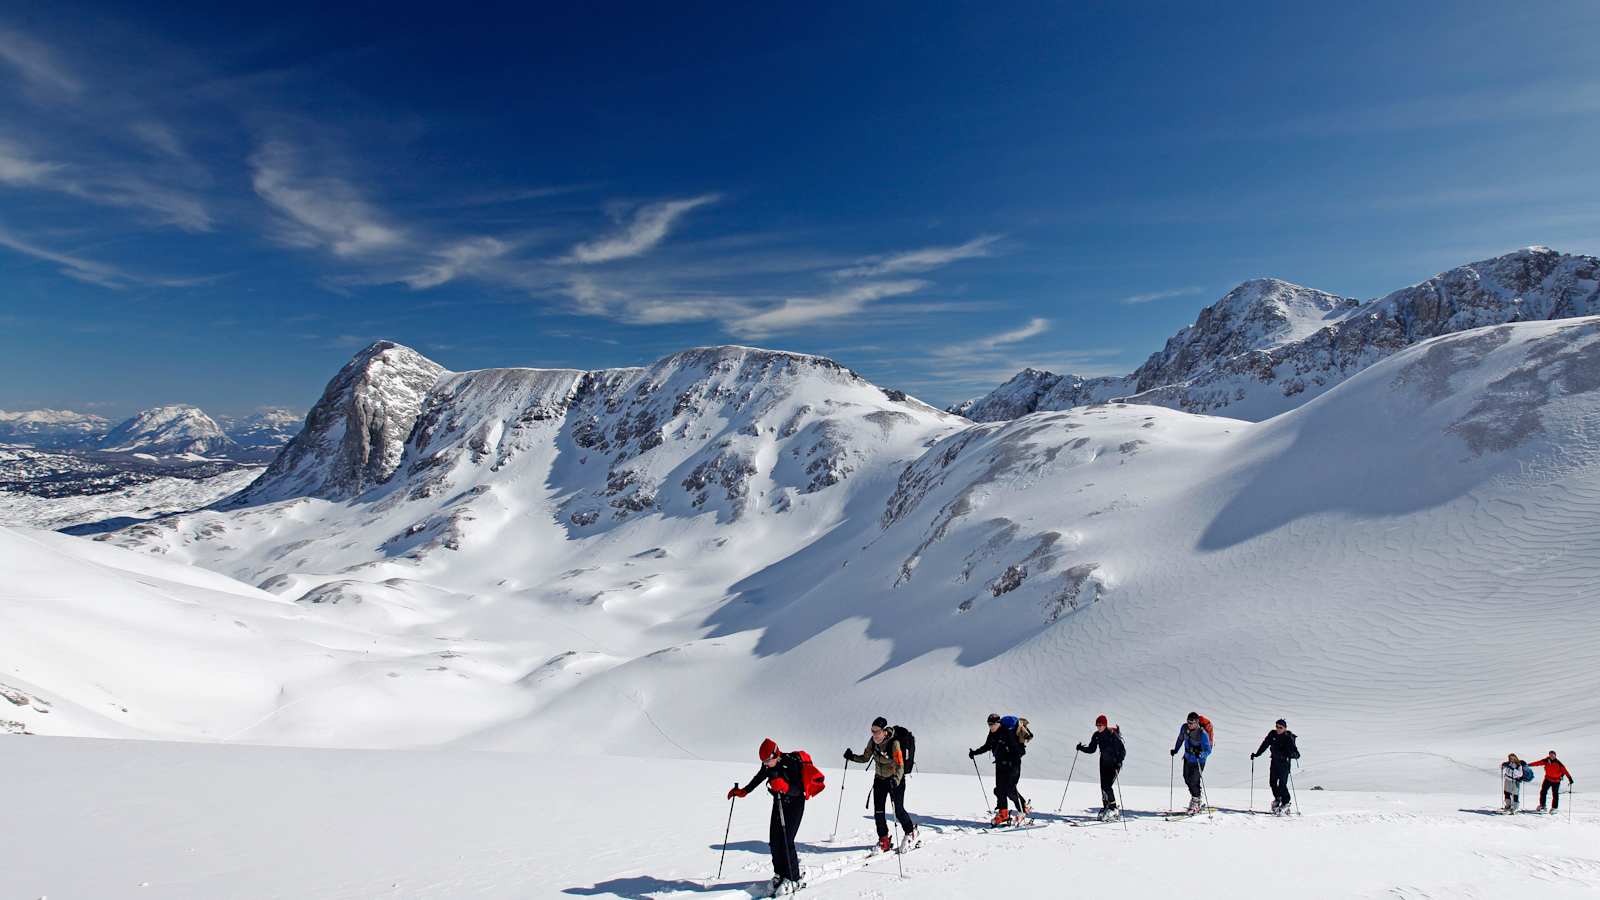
883 845
911 840
1194 806
1001 817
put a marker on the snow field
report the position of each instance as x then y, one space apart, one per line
106 820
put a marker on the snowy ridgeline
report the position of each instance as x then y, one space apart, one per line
114 819
677 561
1268 346
176 430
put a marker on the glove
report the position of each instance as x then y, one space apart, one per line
1254 755
780 785
1174 752
736 792
1082 749
972 754
847 752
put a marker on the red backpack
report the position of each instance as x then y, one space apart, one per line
1206 724
811 781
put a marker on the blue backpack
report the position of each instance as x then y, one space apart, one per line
1527 774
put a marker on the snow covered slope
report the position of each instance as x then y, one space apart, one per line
1269 346
454 825
168 431
679 559
134 496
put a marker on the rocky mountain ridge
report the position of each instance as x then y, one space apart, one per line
1269 346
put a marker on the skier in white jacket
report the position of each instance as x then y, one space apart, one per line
1513 772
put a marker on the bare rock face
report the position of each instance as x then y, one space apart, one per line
1269 346
355 436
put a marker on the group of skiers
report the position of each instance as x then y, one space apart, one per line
1514 773
890 751
791 778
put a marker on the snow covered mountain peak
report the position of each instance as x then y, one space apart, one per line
1270 345
355 435
1257 315
168 430
51 427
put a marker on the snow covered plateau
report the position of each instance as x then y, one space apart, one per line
624 579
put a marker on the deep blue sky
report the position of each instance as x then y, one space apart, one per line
207 206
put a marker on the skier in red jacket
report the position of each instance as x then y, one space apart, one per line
783 774
1554 771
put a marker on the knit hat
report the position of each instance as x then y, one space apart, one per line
993 718
1193 717
880 722
1101 720
769 749
1283 723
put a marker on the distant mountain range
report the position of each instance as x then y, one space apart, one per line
1269 346
174 430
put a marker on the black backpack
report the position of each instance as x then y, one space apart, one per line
908 746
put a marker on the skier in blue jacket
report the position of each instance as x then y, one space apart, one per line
1196 746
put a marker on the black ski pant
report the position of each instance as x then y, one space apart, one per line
781 834
1192 773
1006 776
1108 782
1553 788
1278 778
886 789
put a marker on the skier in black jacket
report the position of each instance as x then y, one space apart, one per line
1280 740
1108 740
782 773
1008 752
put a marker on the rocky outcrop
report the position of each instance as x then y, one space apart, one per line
355 436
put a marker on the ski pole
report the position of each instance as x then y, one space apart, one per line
783 833
1172 767
1074 768
840 810
727 831
1122 802
1252 785
980 784
899 863
1294 795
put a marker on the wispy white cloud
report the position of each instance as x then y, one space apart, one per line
590 297
37 64
1035 327
91 271
1152 296
108 186
799 312
17 169
159 137
318 211
649 227
923 260
456 260
1468 108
